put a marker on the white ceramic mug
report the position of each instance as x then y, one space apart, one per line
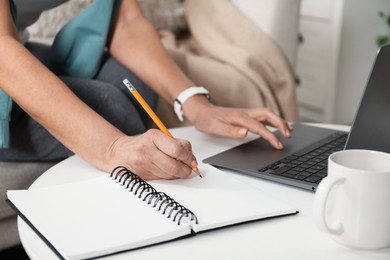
353 202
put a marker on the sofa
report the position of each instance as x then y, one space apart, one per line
240 63
276 21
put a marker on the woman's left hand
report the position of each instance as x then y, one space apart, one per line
237 122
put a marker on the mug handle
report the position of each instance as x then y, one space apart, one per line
320 201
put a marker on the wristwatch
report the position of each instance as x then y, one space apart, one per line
186 94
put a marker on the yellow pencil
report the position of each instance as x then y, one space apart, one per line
151 113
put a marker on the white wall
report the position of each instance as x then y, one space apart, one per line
278 18
361 25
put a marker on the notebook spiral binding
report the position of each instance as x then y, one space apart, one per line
164 203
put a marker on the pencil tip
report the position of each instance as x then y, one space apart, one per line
196 170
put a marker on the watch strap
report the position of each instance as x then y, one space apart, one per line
184 96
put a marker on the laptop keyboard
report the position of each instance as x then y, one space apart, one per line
311 163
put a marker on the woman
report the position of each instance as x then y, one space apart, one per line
97 118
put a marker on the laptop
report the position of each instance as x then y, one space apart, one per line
303 161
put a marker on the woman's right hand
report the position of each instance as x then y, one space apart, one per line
153 155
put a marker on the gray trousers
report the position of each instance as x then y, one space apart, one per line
105 94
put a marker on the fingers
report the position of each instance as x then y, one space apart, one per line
177 149
163 157
237 122
175 158
259 128
153 155
170 168
269 118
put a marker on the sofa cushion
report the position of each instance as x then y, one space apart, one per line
9 236
18 175
15 175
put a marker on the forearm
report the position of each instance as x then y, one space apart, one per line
45 97
136 44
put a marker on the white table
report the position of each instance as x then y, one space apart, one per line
292 237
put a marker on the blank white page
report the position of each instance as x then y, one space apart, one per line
94 217
219 200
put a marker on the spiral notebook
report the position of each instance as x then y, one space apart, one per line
111 214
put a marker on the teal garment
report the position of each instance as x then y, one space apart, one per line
5 113
76 51
78 47
6 103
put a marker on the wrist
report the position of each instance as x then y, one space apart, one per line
194 107
114 154
193 93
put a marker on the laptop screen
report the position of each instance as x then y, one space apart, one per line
371 126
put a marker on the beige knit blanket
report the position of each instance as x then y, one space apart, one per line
233 58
